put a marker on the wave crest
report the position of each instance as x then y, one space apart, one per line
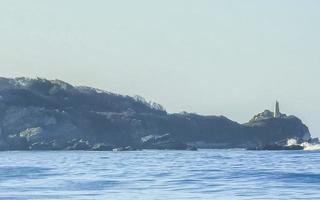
310 147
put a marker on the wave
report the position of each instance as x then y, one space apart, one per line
310 147
306 145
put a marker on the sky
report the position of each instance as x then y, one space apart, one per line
228 57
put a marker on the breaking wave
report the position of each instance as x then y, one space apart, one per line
310 147
306 145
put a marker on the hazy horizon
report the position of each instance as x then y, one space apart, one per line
231 58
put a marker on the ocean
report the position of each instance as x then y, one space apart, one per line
169 175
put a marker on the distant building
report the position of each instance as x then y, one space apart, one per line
277 113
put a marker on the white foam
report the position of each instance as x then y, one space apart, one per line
310 147
292 142
306 145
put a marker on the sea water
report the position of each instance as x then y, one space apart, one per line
203 174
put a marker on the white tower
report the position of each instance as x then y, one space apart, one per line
277 113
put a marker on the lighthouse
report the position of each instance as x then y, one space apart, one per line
277 113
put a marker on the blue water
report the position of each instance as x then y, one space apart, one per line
204 174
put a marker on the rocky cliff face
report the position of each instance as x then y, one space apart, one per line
267 129
42 114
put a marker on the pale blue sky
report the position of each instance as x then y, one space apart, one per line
233 58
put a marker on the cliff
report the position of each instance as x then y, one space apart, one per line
44 114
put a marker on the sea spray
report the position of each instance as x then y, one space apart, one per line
310 147
306 145
291 142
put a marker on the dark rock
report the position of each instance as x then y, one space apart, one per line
127 148
162 142
41 146
277 147
101 147
314 141
192 148
16 142
3 146
59 144
80 145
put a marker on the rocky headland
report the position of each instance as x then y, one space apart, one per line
40 114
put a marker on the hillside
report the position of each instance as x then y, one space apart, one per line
52 114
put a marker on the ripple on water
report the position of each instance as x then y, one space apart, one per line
169 175
11 172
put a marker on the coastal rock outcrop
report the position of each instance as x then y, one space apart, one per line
40 114
165 141
270 129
